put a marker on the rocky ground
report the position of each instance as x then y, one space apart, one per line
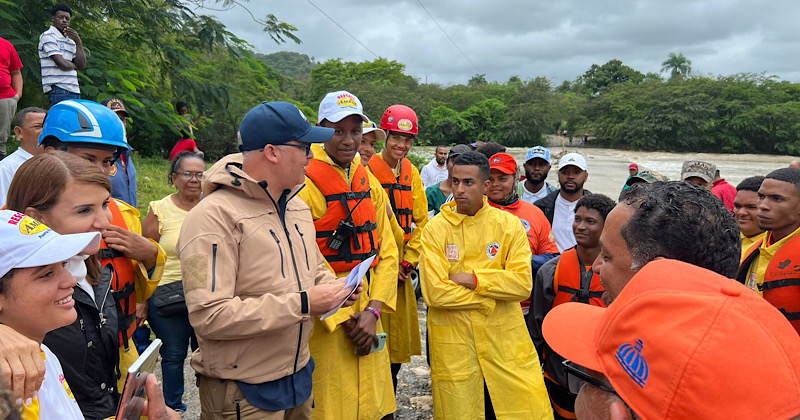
414 400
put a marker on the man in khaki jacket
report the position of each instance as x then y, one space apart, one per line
253 275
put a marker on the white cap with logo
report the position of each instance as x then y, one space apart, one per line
26 242
574 159
339 105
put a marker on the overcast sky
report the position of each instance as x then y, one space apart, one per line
558 39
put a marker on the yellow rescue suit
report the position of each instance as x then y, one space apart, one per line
347 386
480 335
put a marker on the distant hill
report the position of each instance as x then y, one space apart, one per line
291 64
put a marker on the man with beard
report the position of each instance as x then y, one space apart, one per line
559 205
436 170
537 166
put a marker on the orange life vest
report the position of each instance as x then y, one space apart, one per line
573 285
124 281
781 286
399 190
341 200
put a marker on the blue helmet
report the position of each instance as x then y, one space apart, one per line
82 121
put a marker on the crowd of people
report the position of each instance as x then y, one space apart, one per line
679 300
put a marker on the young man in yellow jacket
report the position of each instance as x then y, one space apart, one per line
475 269
403 185
348 207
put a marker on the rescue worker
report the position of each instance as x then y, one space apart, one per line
253 277
503 194
772 265
369 137
138 262
568 278
745 209
438 194
475 269
350 215
402 183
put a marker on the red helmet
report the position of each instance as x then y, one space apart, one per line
401 119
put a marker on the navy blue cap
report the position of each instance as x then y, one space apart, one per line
278 123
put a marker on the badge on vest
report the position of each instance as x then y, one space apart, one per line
752 282
492 249
452 252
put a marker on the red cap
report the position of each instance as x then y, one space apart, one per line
684 342
504 163
633 166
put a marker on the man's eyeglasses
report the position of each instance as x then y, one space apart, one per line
188 175
306 147
576 376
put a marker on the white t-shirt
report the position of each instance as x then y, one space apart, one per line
533 197
563 216
55 399
432 174
8 167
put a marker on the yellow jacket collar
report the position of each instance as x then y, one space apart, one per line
452 215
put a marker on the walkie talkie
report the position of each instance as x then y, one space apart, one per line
344 230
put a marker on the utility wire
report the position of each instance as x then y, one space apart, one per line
445 34
343 29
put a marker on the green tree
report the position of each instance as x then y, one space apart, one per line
477 80
598 79
677 65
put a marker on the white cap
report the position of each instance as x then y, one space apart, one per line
369 127
338 105
574 159
25 243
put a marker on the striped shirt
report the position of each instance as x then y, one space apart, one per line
53 42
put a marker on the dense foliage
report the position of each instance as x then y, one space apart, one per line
152 53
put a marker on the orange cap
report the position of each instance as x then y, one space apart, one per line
684 342
504 163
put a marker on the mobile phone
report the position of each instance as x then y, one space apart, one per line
131 403
377 347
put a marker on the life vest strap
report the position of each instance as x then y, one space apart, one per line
580 295
791 316
367 227
108 253
398 187
405 212
348 196
346 256
774 284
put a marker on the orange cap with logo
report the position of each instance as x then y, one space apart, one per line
504 163
682 342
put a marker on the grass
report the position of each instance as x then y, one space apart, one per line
151 177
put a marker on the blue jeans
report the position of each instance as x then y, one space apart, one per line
58 94
176 334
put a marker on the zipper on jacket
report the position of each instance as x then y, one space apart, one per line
213 267
278 241
308 267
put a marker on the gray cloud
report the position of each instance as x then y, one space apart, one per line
559 40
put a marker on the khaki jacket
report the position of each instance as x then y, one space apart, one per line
244 267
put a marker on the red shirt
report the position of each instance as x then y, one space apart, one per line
185 145
9 63
725 192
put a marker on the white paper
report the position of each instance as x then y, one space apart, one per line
352 281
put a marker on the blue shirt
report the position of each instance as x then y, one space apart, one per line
281 394
123 180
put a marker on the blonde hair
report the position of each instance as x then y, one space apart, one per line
41 181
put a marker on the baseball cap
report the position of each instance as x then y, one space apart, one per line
26 242
335 106
574 159
115 105
278 123
633 166
538 152
698 168
646 176
458 149
369 126
684 342
504 163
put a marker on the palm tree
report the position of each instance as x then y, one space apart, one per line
677 65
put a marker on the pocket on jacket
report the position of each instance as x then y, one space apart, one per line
449 353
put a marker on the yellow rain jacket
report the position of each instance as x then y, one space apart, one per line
480 335
402 326
347 386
